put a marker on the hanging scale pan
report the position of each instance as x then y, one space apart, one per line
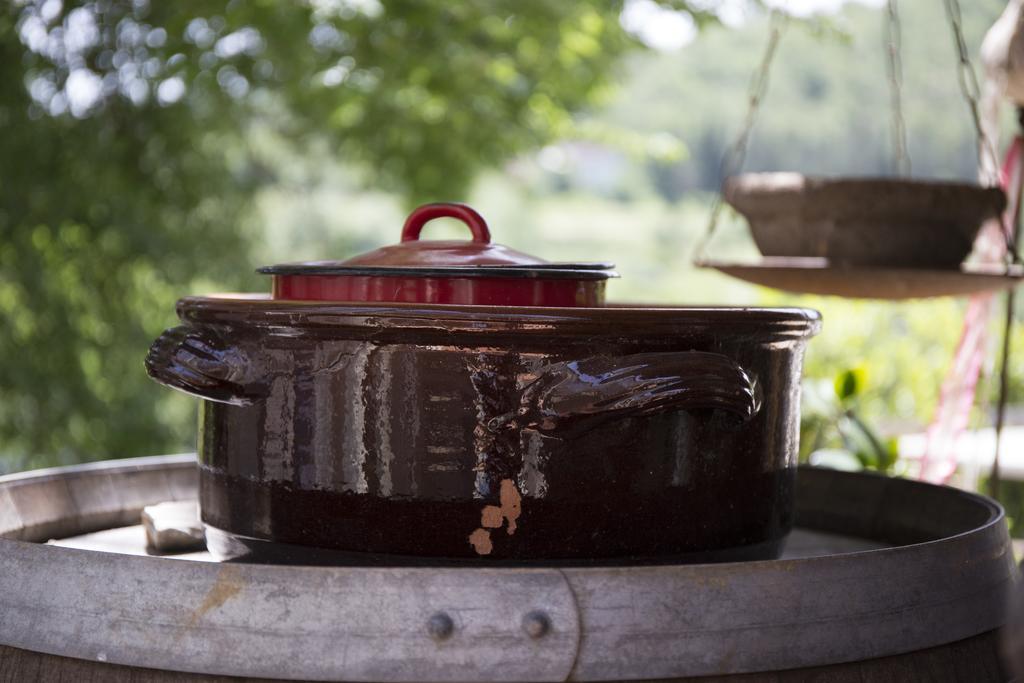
887 238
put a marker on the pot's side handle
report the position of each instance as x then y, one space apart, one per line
581 392
195 360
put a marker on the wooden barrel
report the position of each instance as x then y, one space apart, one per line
885 579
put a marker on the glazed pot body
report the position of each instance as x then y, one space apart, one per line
489 434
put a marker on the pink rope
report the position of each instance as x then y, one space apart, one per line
959 387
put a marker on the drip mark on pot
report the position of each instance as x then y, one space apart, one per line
511 504
481 542
492 517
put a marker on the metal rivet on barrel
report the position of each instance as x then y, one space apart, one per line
440 626
536 624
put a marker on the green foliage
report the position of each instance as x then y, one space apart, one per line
423 93
834 433
103 220
848 383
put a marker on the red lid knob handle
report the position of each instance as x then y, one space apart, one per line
428 212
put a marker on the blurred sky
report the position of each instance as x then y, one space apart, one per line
664 29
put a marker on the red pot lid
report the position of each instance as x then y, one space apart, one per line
412 252
444 271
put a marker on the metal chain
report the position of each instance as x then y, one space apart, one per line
736 154
894 64
972 93
969 86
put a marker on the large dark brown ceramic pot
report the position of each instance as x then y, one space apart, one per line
334 431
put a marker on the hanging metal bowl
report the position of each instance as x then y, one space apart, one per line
879 222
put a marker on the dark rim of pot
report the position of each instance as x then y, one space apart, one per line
548 271
261 311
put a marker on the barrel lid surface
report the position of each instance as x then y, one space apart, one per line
946 577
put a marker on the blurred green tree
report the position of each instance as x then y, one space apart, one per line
127 175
